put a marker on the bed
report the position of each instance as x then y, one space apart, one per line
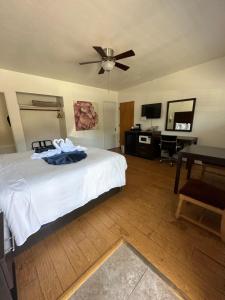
34 194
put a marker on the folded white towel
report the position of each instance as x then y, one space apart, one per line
68 146
48 153
80 148
57 142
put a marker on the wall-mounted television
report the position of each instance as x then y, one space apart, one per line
151 111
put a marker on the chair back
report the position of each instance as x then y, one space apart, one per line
169 143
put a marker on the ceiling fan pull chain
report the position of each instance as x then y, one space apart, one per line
108 83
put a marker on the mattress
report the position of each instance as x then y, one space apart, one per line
33 193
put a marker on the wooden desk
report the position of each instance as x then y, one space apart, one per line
152 150
187 140
206 154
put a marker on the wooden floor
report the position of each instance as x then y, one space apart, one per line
143 214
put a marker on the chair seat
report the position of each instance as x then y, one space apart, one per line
204 192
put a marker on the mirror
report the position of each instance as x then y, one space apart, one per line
180 114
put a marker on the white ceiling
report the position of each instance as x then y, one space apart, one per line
50 37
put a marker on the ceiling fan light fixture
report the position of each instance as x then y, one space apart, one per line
108 65
109 60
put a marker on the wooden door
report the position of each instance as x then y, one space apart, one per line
126 118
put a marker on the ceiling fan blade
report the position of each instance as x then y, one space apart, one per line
121 66
100 51
89 62
124 54
101 71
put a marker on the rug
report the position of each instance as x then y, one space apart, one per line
123 274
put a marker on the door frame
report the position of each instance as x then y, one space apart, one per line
9 148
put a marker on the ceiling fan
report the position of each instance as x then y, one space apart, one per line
108 60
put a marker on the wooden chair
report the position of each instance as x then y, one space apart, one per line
206 196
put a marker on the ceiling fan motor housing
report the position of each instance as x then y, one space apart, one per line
108 62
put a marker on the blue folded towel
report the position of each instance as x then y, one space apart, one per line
65 158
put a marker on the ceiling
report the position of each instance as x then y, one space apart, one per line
50 37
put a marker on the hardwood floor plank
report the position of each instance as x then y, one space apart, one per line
25 268
75 231
95 221
126 212
31 291
49 281
88 250
63 267
97 239
26 274
214 272
109 223
76 257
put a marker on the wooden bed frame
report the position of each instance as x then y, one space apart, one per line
51 227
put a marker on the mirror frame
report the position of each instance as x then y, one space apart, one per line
193 111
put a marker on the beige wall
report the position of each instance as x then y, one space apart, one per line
14 82
6 137
206 82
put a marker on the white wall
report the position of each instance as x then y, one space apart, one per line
13 82
6 137
206 82
39 125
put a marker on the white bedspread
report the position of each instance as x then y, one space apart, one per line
33 193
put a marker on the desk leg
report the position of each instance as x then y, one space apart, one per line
177 179
186 165
189 166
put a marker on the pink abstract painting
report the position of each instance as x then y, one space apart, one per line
86 115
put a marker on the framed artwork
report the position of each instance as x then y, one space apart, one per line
85 115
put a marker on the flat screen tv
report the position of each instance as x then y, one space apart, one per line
151 111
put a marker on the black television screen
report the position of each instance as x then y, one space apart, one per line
151 111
